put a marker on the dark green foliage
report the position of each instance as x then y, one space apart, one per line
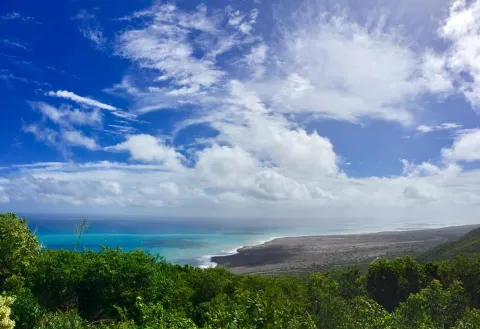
433 307
390 282
113 289
471 320
351 283
95 282
26 311
468 245
61 320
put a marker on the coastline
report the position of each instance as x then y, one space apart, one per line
306 253
207 262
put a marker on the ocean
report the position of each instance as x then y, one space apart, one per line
187 241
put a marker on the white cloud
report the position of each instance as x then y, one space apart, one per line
466 147
426 169
443 126
226 166
437 78
324 66
92 103
123 129
42 134
261 157
147 148
65 116
242 22
252 126
65 137
272 185
433 195
461 30
256 59
79 99
14 44
163 45
169 42
77 138
3 196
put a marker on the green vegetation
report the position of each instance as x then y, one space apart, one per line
468 245
113 289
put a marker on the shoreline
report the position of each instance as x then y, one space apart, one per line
304 253
209 263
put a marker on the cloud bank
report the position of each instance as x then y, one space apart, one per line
259 95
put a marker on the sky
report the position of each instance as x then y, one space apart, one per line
282 109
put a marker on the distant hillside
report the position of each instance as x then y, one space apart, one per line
468 245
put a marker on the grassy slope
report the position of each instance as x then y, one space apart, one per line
468 245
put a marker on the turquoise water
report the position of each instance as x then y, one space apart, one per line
187 241
182 242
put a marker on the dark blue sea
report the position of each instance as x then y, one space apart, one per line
185 241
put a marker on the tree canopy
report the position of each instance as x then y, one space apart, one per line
114 289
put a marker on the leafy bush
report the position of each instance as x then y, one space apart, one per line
113 289
19 249
26 311
61 320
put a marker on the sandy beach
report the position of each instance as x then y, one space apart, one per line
314 253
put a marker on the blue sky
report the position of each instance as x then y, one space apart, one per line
241 108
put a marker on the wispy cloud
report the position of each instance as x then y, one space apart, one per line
443 126
249 86
14 16
43 134
14 44
163 45
244 23
66 116
8 77
77 138
80 99
90 28
123 129
89 102
95 35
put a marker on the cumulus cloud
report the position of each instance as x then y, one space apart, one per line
466 147
442 192
257 129
227 166
147 148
